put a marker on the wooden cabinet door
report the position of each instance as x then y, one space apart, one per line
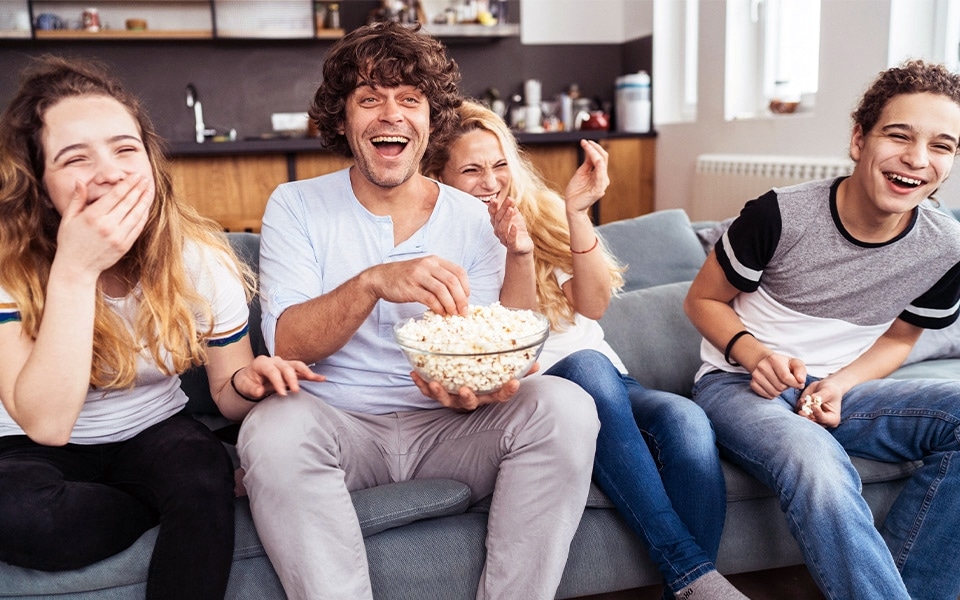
556 162
232 190
314 164
631 171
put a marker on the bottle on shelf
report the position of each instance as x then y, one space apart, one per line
632 99
332 20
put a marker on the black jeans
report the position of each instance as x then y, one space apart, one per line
67 507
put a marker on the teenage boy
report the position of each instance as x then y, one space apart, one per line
814 295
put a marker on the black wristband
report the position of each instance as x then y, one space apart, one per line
733 340
233 384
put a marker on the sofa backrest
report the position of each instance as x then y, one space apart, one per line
659 247
645 324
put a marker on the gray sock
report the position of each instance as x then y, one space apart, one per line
712 586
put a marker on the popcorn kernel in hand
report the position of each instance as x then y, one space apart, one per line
808 402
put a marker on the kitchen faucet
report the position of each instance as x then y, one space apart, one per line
193 101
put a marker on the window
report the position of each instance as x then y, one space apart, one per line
675 23
772 53
927 29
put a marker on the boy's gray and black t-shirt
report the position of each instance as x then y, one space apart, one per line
813 291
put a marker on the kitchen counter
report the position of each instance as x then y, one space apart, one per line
296 145
230 182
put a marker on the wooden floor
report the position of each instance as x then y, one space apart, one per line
790 583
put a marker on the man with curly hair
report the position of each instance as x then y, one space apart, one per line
815 294
344 257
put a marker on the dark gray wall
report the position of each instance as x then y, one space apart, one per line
241 82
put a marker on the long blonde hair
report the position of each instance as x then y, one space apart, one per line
542 208
169 306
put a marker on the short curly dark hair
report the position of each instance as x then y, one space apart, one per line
385 55
911 77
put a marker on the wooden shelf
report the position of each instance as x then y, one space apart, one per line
330 34
472 30
122 34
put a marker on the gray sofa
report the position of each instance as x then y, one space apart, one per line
424 541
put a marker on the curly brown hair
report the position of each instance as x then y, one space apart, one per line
911 77
384 55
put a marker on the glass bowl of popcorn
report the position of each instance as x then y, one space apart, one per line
482 351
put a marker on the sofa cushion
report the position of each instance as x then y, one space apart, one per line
651 333
396 504
657 248
945 368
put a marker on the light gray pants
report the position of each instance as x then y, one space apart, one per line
534 454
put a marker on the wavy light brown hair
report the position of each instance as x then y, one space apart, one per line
911 77
384 55
542 209
169 306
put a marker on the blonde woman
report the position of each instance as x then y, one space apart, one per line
656 458
110 288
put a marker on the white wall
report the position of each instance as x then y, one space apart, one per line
584 21
854 48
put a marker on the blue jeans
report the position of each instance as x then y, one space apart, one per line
658 463
819 490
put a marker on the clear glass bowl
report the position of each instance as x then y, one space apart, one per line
455 364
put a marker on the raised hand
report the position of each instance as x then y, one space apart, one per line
510 226
590 180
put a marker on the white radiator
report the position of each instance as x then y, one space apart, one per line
724 182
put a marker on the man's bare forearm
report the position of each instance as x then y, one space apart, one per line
315 329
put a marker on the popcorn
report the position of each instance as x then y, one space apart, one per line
482 350
808 402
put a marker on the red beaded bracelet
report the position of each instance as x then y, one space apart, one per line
596 242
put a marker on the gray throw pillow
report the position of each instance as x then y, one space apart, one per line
710 234
651 333
657 248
